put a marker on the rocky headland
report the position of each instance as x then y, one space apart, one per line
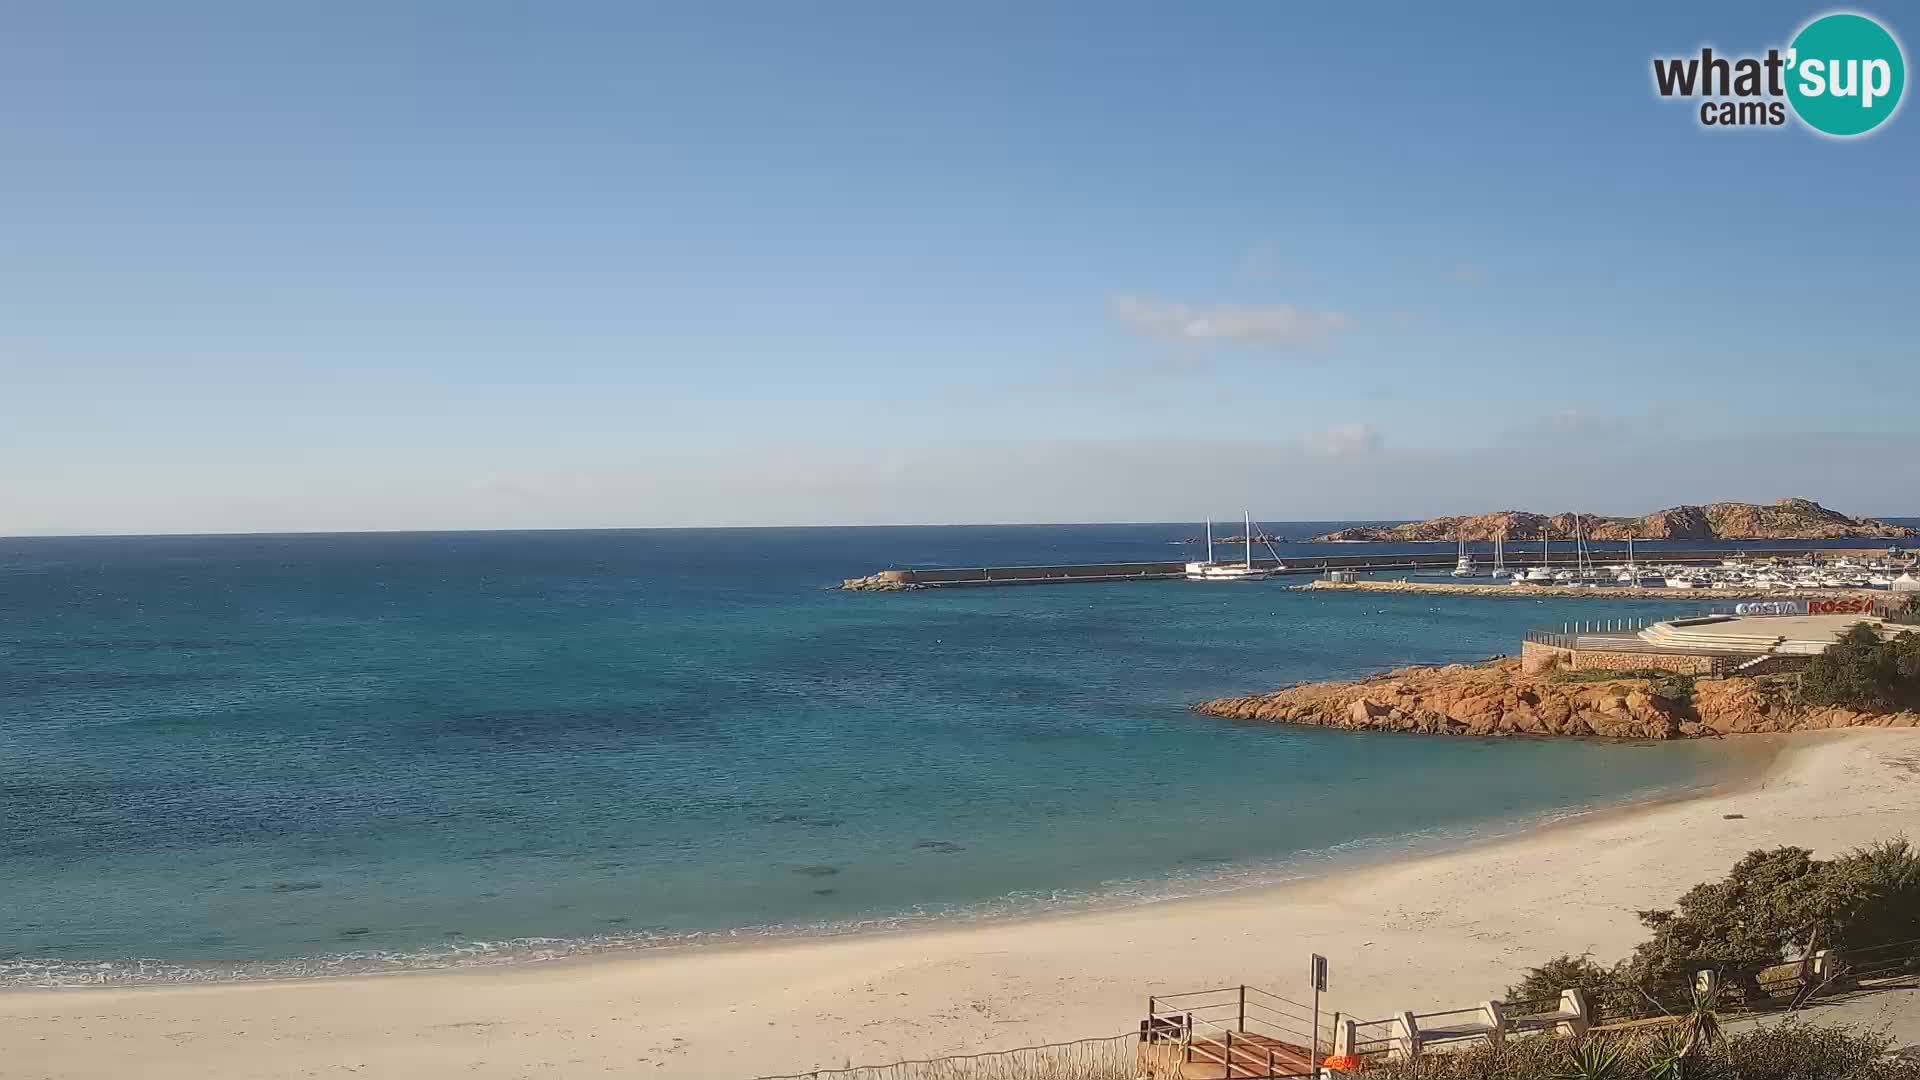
884 581
1497 698
1788 519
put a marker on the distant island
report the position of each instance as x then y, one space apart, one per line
1788 519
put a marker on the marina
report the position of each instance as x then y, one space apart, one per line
1759 570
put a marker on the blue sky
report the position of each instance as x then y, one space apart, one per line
411 265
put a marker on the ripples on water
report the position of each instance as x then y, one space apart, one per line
263 757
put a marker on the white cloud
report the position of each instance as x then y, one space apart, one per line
1344 441
1277 326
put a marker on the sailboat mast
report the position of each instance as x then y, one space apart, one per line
1209 539
1249 514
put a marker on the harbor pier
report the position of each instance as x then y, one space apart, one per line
1297 565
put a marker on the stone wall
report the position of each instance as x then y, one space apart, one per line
1536 657
1596 660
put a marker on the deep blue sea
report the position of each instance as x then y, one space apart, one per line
258 755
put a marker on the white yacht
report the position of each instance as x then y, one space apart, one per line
1464 567
1240 571
1542 574
1632 573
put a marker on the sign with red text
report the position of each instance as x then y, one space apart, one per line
1841 605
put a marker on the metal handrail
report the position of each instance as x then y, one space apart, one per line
1277 997
1524 1010
1243 1002
1474 1010
1196 1029
1251 1022
1197 993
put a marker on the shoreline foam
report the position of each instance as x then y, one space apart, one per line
1430 931
28 973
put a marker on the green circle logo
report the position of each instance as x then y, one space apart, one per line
1845 74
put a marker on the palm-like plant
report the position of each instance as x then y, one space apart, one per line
1701 1027
1667 1054
1596 1059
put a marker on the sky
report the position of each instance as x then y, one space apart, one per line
403 265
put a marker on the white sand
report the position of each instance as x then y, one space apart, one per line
1434 932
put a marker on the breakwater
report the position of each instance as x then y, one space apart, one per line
1170 570
1615 592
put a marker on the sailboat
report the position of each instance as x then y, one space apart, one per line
1540 575
1635 574
1584 569
1219 571
1500 555
1464 567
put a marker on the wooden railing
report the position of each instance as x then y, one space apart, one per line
1244 1031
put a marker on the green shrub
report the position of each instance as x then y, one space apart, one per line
1788 1051
1774 905
1545 982
1780 904
1675 686
1866 671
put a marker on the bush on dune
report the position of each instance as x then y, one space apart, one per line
1866 671
1776 1052
1779 904
1774 906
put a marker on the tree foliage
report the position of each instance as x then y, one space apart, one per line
1788 1051
1774 906
1866 671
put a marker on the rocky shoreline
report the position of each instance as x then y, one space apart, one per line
1496 698
884 581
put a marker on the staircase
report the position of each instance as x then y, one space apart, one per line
1243 1055
1233 1033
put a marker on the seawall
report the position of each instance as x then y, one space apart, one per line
1293 565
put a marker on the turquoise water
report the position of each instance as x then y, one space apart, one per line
261 755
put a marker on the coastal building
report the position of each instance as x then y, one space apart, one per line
1752 639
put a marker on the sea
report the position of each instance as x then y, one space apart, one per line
235 757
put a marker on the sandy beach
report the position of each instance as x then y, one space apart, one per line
1434 931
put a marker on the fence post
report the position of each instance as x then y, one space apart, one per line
1406 1037
1575 1003
1345 1036
1229 1054
1243 1007
1706 982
